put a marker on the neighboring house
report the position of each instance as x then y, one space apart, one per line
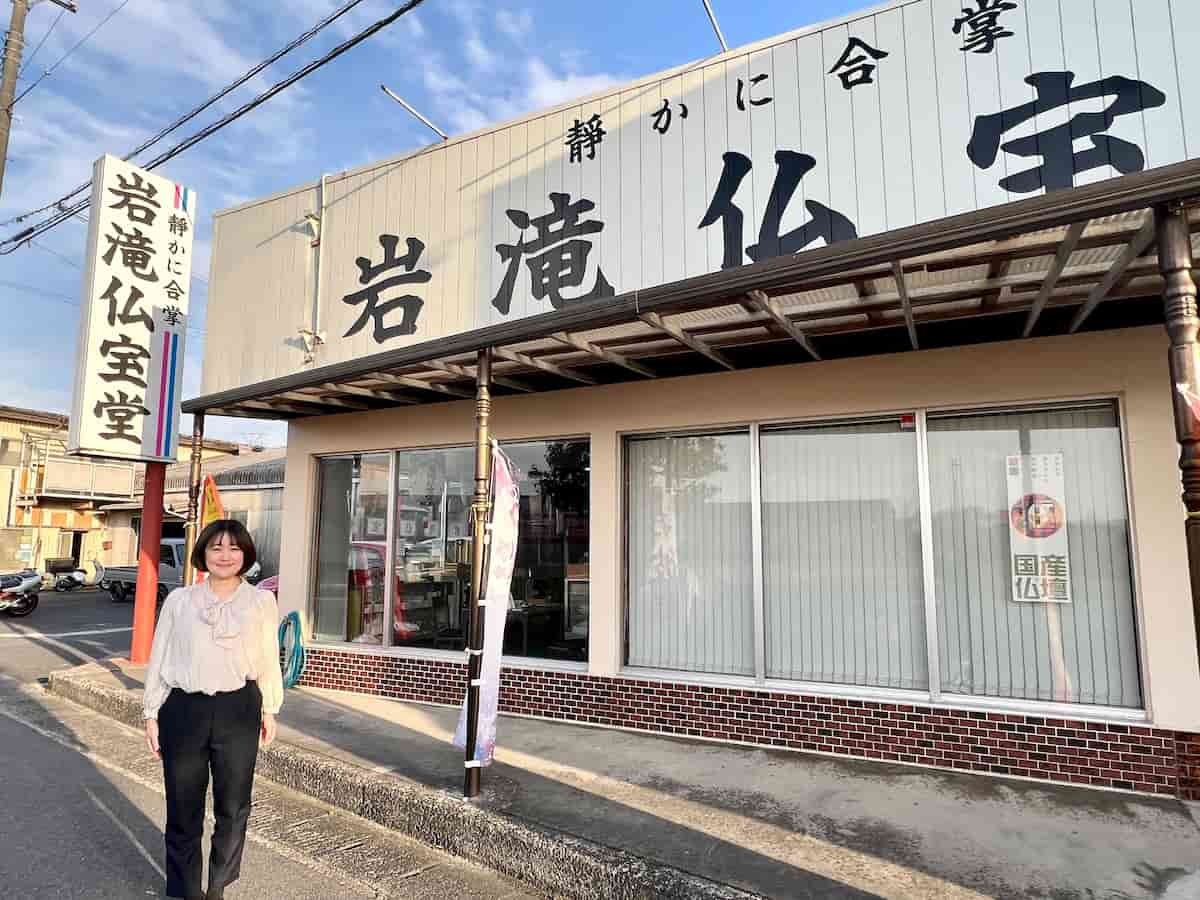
55 506
251 487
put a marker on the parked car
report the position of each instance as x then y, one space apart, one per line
121 581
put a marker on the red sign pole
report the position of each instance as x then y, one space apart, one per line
147 582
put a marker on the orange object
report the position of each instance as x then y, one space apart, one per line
211 509
146 597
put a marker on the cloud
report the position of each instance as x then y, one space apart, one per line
478 53
516 25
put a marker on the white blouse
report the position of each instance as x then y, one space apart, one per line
203 644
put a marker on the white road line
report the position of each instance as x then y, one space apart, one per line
39 635
129 834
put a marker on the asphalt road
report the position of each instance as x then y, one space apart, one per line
65 630
81 805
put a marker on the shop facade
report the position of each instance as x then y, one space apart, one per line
902 484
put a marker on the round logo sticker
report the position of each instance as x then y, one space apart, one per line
1038 516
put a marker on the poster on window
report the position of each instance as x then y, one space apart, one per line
498 569
1037 529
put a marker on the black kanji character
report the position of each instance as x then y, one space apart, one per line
125 360
174 267
177 249
741 91
1024 564
120 411
179 225
136 251
130 313
1061 163
585 136
136 197
791 168
172 316
662 118
378 309
983 25
556 258
852 66
174 291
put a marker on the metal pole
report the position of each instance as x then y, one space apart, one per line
147 580
1183 326
712 17
479 513
193 511
14 44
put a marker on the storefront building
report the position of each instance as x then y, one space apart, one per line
846 404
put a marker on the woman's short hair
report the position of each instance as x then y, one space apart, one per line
237 533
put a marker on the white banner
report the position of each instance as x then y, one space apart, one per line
501 555
136 292
1037 528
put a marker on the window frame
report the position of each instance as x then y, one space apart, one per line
388 647
934 695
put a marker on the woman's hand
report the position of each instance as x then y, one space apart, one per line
267 734
152 737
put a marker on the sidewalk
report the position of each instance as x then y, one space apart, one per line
586 812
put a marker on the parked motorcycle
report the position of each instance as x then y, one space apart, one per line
19 593
68 581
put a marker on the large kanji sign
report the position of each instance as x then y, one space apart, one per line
136 289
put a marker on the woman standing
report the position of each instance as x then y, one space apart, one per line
213 688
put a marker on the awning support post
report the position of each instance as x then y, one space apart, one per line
1183 326
193 510
479 513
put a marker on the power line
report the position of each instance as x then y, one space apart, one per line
87 37
14 242
49 31
215 98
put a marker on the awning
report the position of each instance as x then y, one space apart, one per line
1081 259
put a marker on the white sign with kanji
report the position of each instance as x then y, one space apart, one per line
136 289
1037 529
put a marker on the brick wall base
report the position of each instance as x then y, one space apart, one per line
1149 760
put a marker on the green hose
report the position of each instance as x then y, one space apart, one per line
293 665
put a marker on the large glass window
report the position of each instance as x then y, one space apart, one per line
351 548
842 574
1024 563
548 607
690 551
997 638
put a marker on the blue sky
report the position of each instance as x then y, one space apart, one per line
465 63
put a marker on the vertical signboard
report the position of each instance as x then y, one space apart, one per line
1037 529
136 292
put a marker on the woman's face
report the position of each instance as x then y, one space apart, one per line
223 557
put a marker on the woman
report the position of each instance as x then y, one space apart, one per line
213 689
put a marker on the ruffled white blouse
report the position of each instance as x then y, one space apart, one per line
204 644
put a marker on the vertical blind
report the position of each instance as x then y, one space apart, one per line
844 598
690 551
844 601
1085 651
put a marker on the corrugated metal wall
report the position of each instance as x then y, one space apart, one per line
885 154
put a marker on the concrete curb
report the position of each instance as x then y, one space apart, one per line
557 864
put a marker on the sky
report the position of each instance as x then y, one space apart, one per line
464 63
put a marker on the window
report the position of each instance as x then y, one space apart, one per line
842 577
1024 564
351 543
992 644
690 550
430 498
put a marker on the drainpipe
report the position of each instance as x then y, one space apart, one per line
312 335
1183 326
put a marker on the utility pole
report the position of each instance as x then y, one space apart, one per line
14 45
